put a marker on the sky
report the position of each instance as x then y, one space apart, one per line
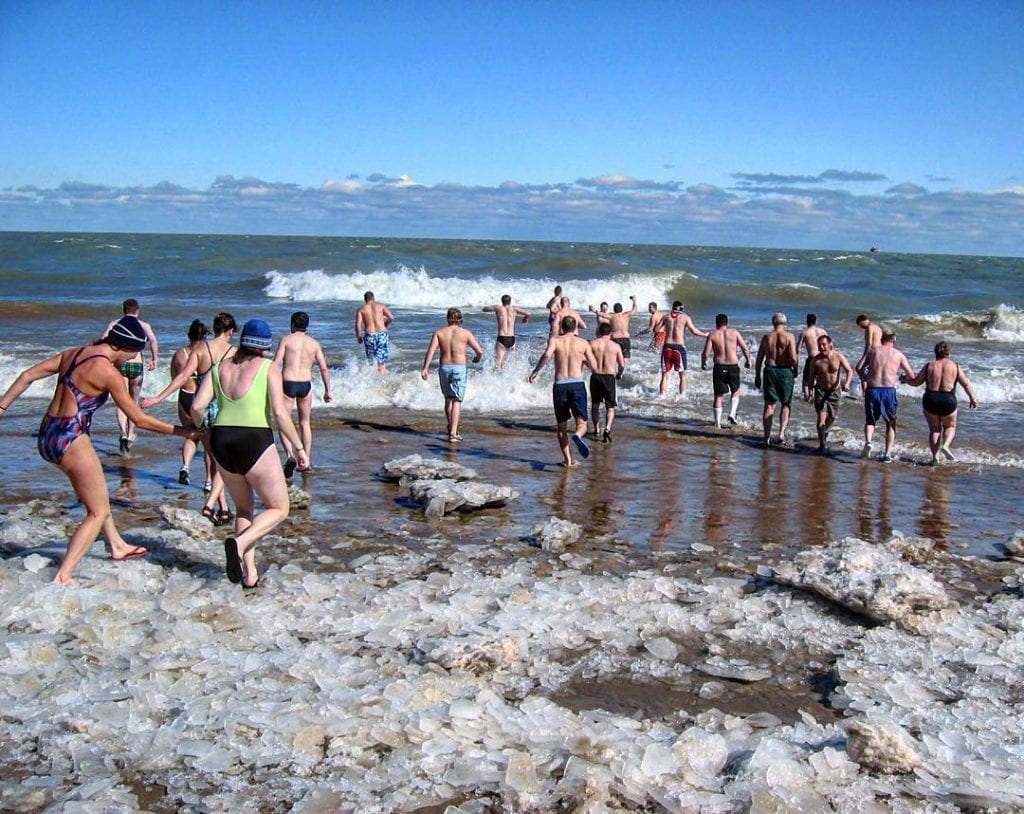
784 124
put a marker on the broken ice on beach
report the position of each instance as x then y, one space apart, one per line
471 680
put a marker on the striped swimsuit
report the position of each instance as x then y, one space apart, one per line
56 434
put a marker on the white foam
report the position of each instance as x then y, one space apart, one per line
1006 325
418 289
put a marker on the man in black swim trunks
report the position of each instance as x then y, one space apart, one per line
133 371
722 345
610 365
505 315
296 355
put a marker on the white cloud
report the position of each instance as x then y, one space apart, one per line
612 208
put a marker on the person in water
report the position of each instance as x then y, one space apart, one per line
197 333
939 403
296 355
86 377
247 388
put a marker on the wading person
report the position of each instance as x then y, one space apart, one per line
296 355
777 356
86 377
373 319
940 379
247 388
829 375
611 363
452 341
724 345
878 369
505 315
674 325
568 392
133 371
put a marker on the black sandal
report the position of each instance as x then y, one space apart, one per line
210 515
224 516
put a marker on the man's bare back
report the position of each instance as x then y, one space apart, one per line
882 365
778 349
608 356
724 344
452 340
373 317
505 316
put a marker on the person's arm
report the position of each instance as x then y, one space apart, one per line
431 350
861 365
279 356
524 314
388 316
965 383
794 355
761 350
545 357
918 378
471 341
201 400
38 371
908 371
325 373
283 417
632 310
620 361
154 347
359 325
490 309
589 359
112 381
704 353
844 367
694 329
741 343
191 366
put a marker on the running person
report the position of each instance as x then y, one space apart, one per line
247 387
568 392
939 403
673 353
373 319
505 315
452 341
197 333
86 377
296 355
611 363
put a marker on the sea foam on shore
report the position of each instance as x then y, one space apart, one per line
394 680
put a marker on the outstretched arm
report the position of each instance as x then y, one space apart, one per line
191 366
545 357
38 371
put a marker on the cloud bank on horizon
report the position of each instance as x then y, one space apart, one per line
762 209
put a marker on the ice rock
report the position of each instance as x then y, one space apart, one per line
867 579
556 534
1015 546
299 498
36 563
187 520
662 648
881 745
416 467
441 497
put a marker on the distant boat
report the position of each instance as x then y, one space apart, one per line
875 250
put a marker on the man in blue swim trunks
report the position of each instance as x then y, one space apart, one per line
452 341
568 392
879 368
372 322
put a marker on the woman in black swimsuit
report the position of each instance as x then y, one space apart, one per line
940 379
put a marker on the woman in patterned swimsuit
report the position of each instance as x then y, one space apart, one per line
86 377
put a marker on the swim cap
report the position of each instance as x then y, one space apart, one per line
128 334
256 335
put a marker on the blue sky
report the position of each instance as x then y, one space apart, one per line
897 124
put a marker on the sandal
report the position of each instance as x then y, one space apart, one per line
209 514
224 516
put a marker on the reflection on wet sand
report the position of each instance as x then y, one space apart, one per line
934 513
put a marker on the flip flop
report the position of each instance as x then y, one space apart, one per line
138 551
289 467
232 562
581 445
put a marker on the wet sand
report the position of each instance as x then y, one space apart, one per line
664 491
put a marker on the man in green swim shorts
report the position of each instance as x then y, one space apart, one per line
780 360
133 371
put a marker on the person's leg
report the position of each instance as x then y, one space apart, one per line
456 415
783 422
285 443
304 407
609 418
734 406
563 442
823 425
766 420
85 472
499 355
682 382
663 385
890 435
134 390
949 433
934 434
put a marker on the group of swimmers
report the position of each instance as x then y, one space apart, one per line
227 394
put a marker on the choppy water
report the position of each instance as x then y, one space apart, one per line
59 290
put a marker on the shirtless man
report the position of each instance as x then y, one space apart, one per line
452 341
296 355
657 337
723 343
675 324
611 362
602 316
872 338
505 315
808 340
132 370
878 369
372 322
568 392
553 306
780 359
620 325
940 379
565 309
830 376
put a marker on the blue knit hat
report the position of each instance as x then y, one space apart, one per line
256 335
128 334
